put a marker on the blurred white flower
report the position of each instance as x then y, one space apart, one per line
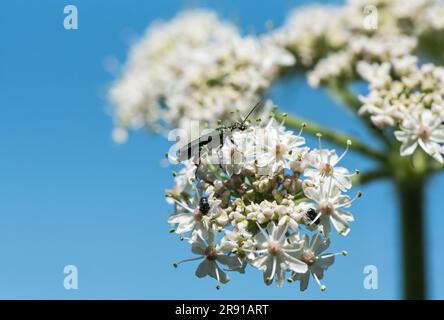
308 40
377 74
120 135
353 60
411 101
339 41
194 67
183 181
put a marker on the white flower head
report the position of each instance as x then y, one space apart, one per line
277 253
204 245
316 262
195 214
329 204
194 67
410 102
423 128
277 148
322 164
260 186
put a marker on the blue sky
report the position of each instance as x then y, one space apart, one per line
69 195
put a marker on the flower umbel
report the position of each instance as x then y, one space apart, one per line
194 67
263 190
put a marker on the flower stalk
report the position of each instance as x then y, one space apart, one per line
332 136
345 96
411 200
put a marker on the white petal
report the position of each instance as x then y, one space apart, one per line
401 135
295 264
260 262
312 194
342 181
426 146
280 276
232 262
325 261
318 244
203 269
215 270
269 269
325 223
340 224
179 217
261 240
198 246
408 147
437 135
304 278
342 201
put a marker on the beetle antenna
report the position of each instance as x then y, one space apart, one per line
259 103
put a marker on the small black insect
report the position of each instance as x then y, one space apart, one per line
312 214
204 206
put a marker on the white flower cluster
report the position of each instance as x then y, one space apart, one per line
340 38
410 99
341 65
255 200
194 67
343 47
312 31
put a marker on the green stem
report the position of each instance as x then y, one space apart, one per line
344 95
411 197
334 137
435 166
369 176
